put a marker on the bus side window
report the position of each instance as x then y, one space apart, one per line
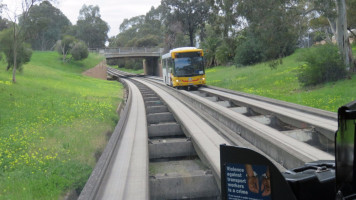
170 65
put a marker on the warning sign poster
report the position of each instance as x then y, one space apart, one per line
247 182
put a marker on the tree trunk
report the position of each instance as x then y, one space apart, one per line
191 37
63 54
342 38
15 56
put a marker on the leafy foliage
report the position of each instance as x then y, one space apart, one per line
24 51
141 31
64 46
322 64
91 28
249 51
70 45
44 26
210 46
4 23
226 51
191 14
79 50
273 25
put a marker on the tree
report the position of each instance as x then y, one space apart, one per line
192 14
336 13
23 50
64 46
141 31
273 24
91 28
44 26
18 37
70 45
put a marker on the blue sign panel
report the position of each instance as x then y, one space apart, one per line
248 182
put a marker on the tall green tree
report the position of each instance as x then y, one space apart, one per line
44 26
223 16
141 31
18 32
91 28
191 14
274 24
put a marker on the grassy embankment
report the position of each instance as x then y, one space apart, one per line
282 83
53 122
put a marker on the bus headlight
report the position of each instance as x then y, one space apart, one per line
177 81
203 79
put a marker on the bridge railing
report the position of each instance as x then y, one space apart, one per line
127 50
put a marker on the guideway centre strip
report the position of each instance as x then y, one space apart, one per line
175 170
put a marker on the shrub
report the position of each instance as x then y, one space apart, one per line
321 64
79 51
249 52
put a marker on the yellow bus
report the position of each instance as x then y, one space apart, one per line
183 67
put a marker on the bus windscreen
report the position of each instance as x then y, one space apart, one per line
190 64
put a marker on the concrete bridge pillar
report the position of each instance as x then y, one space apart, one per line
152 66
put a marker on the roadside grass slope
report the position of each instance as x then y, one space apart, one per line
54 122
282 83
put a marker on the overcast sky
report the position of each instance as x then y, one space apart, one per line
112 11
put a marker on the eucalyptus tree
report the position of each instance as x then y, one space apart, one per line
44 26
91 28
273 24
191 14
141 31
336 13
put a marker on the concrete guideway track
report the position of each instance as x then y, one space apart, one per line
124 173
207 124
204 136
285 150
175 170
244 131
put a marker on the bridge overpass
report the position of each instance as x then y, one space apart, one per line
150 56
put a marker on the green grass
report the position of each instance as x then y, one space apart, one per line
53 122
282 83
